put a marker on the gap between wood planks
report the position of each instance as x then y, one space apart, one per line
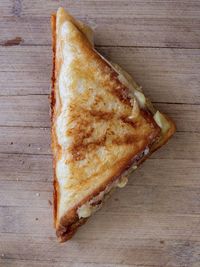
153 102
26 71
137 22
37 142
49 127
14 42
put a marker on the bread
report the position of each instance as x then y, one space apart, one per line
102 125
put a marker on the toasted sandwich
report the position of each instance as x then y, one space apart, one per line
103 126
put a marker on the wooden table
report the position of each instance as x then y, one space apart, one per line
155 220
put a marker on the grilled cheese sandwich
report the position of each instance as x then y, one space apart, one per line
103 126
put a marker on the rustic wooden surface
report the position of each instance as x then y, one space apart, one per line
155 220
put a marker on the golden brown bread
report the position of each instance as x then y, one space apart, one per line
102 125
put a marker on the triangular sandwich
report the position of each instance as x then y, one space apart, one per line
103 127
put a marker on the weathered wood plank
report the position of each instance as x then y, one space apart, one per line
25 59
137 23
33 111
167 75
55 263
37 168
134 199
112 8
47 263
43 263
24 83
25 140
164 172
37 141
28 110
111 225
182 145
130 250
104 228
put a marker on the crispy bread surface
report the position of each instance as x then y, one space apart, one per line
98 125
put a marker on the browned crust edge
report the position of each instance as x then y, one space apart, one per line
69 223
52 104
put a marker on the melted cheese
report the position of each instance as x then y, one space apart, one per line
162 122
85 210
122 182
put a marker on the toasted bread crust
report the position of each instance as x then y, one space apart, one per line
68 224
52 104
53 135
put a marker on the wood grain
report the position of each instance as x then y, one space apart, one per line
38 168
137 23
27 70
150 199
37 141
151 251
155 220
33 168
33 111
